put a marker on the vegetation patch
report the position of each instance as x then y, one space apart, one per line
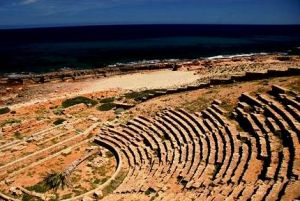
67 196
58 121
26 197
18 135
10 121
58 110
107 100
114 184
202 102
54 181
40 187
4 110
227 106
139 95
77 100
106 106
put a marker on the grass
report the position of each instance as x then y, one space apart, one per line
200 104
18 135
10 121
114 184
139 95
107 100
77 192
40 187
106 106
26 197
97 181
67 196
54 180
4 110
58 110
77 100
227 106
58 121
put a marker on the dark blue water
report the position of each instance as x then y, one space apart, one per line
48 49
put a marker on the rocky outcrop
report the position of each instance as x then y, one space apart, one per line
72 75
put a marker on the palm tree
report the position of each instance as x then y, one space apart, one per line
55 180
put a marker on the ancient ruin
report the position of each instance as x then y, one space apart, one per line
226 137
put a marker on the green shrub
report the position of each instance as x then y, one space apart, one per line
58 111
54 181
39 188
139 95
107 100
106 106
4 110
114 183
77 100
96 181
10 121
67 196
227 106
26 197
58 121
198 105
18 135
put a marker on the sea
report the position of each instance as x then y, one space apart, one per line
40 50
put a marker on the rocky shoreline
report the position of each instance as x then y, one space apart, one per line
67 75
20 88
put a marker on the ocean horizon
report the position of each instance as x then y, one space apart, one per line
84 47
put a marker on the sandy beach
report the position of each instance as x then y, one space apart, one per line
136 81
157 79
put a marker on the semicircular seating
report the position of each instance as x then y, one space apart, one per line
177 155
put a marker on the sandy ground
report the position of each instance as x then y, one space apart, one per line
157 79
203 70
149 80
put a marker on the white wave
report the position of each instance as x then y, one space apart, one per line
144 62
234 56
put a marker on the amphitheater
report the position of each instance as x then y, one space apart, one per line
250 152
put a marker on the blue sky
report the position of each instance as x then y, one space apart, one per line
80 12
